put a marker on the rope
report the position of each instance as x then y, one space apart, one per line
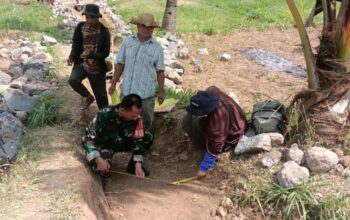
156 180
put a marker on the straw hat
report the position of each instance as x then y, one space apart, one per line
146 19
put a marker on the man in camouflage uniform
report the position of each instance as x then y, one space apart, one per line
118 129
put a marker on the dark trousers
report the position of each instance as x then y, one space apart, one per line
97 83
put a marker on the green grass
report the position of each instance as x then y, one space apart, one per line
213 16
293 203
183 97
31 18
46 112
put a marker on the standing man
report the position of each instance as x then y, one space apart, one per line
141 59
91 46
215 122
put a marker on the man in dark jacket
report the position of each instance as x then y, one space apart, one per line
91 46
214 121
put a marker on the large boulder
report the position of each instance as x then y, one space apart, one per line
271 158
16 100
295 154
5 78
35 64
3 157
320 160
47 41
44 57
11 127
291 175
258 143
11 149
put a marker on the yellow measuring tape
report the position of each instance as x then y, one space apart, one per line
155 180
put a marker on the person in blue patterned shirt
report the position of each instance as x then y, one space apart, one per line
117 129
141 59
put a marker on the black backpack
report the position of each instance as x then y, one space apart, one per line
268 116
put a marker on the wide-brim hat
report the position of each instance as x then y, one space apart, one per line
202 104
92 10
146 19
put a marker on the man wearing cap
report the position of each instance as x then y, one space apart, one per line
91 45
214 121
141 59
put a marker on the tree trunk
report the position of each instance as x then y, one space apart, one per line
328 107
169 18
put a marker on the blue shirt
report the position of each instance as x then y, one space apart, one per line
141 62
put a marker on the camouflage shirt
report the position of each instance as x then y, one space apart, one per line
109 132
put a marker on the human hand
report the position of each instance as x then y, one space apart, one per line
111 88
102 165
201 174
70 61
139 171
161 97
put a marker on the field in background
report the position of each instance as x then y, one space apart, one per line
213 16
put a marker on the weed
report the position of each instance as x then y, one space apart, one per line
296 202
182 96
46 112
299 126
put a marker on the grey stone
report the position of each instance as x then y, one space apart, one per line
26 50
271 158
35 64
162 41
5 53
184 53
203 51
180 44
19 82
339 168
16 100
44 57
221 212
226 203
291 175
34 88
24 58
225 57
47 41
34 74
172 38
277 139
180 71
11 127
15 71
169 84
16 53
295 154
258 143
338 151
345 161
176 78
3 157
11 148
320 160
5 78
21 115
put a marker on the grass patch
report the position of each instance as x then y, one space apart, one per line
183 96
212 16
46 112
293 203
32 18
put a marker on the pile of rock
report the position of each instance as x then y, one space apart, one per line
297 163
28 75
227 210
69 19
